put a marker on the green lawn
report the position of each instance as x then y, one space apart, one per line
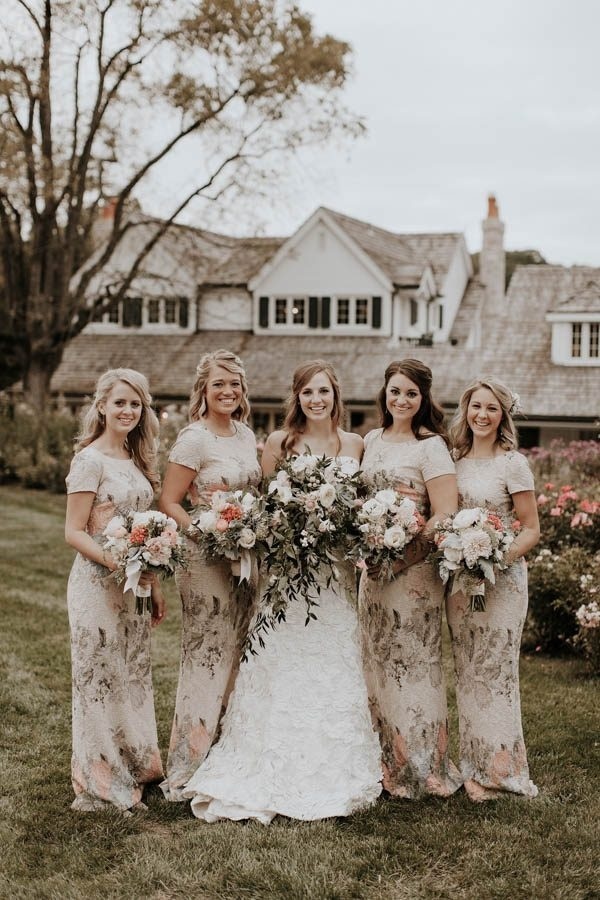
434 848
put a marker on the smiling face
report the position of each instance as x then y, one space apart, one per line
317 398
402 398
223 391
122 409
484 414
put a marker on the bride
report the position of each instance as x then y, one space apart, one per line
297 738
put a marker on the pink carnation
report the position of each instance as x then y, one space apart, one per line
556 511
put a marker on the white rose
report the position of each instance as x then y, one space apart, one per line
144 518
115 528
327 495
206 521
373 509
452 547
303 463
247 538
406 511
284 493
219 501
387 497
394 537
467 517
248 501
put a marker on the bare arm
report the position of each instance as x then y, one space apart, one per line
525 506
79 507
271 455
176 484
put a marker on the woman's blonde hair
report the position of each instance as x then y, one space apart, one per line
460 432
141 441
233 364
295 420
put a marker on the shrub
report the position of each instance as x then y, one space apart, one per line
36 451
567 519
558 586
577 461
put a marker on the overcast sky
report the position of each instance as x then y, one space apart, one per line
462 99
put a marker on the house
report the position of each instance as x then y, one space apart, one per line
359 296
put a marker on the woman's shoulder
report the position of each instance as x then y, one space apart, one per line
372 435
276 439
351 444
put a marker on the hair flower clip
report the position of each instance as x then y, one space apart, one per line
515 406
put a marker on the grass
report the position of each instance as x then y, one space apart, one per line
429 849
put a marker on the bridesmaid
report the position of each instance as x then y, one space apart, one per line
493 474
217 450
115 746
402 619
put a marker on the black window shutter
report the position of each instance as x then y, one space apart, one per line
132 312
263 312
313 312
183 312
376 312
325 312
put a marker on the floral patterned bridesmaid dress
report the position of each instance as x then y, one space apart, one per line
486 646
214 617
402 640
115 746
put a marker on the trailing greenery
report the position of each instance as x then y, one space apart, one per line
428 849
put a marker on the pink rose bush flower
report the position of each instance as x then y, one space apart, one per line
143 542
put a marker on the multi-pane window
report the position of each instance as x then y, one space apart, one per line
343 311
576 340
153 311
298 311
113 315
362 311
594 339
170 311
281 311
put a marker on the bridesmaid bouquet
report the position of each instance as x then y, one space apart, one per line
471 547
385 524
229 528
143 542
306 511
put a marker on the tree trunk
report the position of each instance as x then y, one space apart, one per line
36 381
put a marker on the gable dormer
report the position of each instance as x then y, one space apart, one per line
321 280
576 328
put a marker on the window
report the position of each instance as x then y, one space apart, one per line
343 311
153 311
298 311
170 311
594 339
113 315
281 311
414 312
576 339
362 311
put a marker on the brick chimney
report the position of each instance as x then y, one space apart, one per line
492 262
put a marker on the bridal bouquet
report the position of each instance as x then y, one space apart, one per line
229 528
143 542
385 524
306 510
471 547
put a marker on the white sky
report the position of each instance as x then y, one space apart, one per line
462 99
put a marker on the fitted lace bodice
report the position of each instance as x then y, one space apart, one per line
491 482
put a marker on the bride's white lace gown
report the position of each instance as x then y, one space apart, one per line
297 738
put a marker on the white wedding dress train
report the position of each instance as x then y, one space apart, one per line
297 738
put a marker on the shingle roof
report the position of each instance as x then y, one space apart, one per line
583 300
401 256
517 349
